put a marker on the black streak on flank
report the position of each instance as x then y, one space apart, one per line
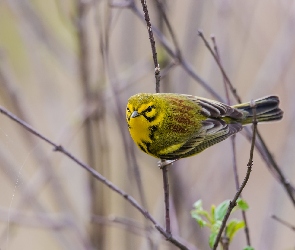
153 129
142 148
147 144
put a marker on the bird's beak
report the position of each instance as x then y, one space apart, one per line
134 114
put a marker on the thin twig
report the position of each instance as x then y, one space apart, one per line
153 46
169 27
158 76
166 198
128 224
224 241
56 222
285 223
129 151
231 206
97 176
233 203
235 169
233 142
287 185
272 165
237 181
88 127
220 63
233 90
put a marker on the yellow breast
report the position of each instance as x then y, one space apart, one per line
139 130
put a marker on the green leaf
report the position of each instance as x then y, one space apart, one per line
214 231
248 248
203 212
198 205
213 207
242 204
233 227
221 209
198 211
199 219
212 239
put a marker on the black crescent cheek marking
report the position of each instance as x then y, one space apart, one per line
150 119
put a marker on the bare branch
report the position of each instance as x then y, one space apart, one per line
166 198
285 223
233 203
153 46
233 143
224 76
233 90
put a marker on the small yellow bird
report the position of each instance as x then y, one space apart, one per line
173 126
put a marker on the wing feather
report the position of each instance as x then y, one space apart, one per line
211 108
213 131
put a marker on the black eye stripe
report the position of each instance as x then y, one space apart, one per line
148 109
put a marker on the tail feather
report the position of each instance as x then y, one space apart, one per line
267 109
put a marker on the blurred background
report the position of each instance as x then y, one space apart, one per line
68 67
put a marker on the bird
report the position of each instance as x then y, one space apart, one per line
171 126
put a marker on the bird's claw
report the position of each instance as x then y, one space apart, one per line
165 163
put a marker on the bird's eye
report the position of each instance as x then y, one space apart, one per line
128 110
149 109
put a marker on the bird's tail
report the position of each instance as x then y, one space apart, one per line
267 109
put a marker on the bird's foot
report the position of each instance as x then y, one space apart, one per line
165 163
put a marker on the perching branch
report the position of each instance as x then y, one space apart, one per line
158 76
166 198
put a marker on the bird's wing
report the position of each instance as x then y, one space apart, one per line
212 132
215 109
217 134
